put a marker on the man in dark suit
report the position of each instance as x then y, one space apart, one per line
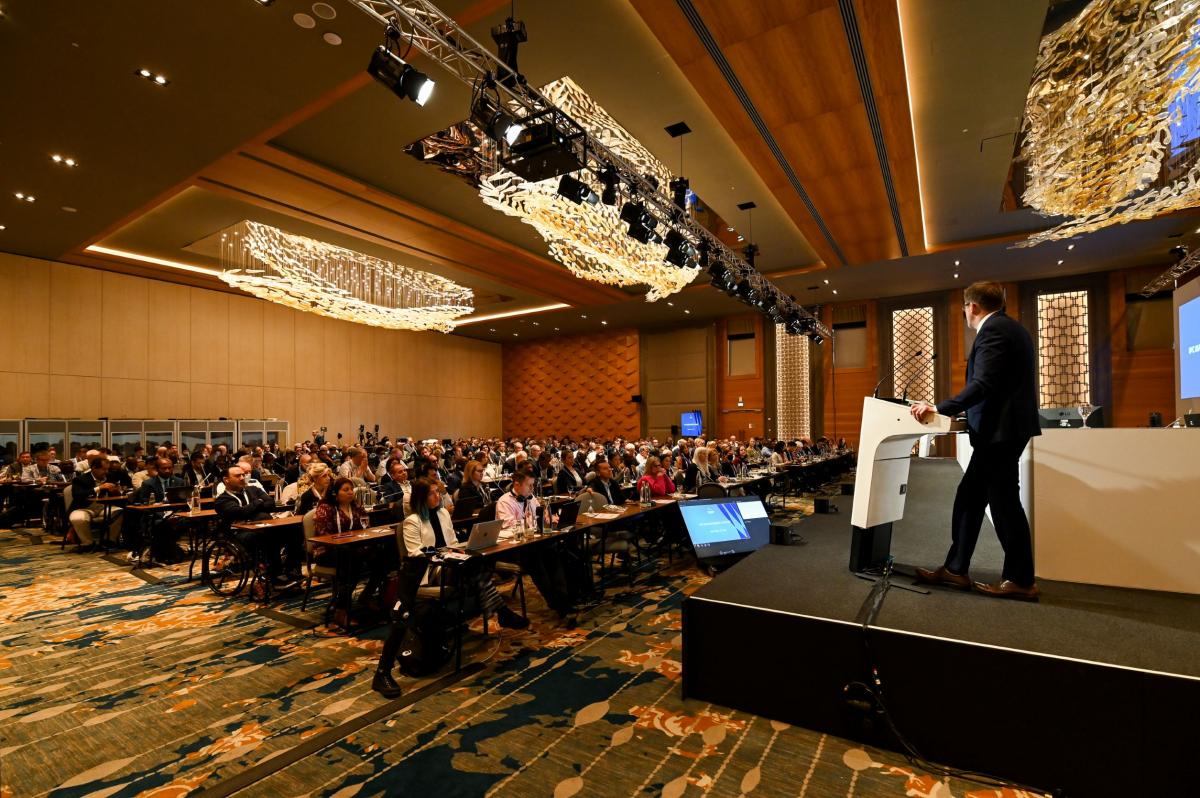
1001 403
243 502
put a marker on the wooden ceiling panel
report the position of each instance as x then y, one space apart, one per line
793 60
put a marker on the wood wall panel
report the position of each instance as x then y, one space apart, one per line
843 397
677 372
748 420
1143 381
573 385
214 354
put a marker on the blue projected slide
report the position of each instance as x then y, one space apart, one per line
1189 349
689 423
727 525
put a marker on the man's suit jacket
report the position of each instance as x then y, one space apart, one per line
1001 397
255 505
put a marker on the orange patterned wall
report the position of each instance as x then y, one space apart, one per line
573 385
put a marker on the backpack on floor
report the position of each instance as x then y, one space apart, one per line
426 645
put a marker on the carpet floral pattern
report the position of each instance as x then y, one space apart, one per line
112 685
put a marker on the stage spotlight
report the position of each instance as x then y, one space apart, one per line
680 251
641 223
494 121
576 191
816 338
402 78
611 180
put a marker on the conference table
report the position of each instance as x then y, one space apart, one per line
346 547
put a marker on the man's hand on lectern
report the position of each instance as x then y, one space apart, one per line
920 410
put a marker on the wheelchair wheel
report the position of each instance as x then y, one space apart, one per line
226 567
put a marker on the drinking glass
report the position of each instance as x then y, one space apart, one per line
1085 410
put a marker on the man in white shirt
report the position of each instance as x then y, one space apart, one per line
41 469
518 508
356 466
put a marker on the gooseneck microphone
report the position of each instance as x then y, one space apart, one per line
892 373
907 385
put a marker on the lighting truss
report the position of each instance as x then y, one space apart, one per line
1168 279
441 39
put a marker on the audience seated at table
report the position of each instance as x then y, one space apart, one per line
604 484
428 526
84 510
355 466
568 481
472 484
42 470
243 502
312 487
519 511
656 477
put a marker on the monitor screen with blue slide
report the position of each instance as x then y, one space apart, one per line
689 424
728 525
1189 349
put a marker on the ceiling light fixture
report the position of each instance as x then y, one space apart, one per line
25 197
1060 263
604 323
137 256
492 119
157 80
403 79
685 310
316 277
508 314
956 275
1072 246
826 282
576 191
71 162
956 263
680 251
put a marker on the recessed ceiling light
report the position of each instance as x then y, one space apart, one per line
1072 246
670 304
835 290
826 282
556 329
23 196
582 316
491 329
2 227
63 160
332 38
516 335
304 21
69 209
741 238
158 80
535 324
604 323
1060 263
956 275
685 310
265 2
324 10
956 262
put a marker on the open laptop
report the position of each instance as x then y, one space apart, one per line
466 507
567 515
484 535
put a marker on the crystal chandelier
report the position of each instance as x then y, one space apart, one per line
1108 137
588 238
315 277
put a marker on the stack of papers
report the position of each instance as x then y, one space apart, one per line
604 516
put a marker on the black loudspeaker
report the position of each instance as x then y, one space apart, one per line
822 505
674 430
1156 419
636 398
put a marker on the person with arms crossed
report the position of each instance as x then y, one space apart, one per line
1001 404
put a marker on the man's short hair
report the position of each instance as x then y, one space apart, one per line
987 295
225 472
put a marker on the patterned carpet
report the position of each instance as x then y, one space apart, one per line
112 685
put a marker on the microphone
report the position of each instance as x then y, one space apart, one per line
911 358
907 385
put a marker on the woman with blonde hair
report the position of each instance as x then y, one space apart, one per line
311 487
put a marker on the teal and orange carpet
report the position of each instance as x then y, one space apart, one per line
115 684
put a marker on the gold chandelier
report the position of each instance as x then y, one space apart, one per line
315 277
588 238
1103 114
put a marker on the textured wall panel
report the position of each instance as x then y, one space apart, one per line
572 385
237 357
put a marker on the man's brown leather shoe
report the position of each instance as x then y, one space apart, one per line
940 576
1010 590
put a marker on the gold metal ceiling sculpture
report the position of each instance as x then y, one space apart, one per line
590 239
316 277
1106 114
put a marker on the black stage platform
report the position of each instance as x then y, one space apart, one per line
1094 690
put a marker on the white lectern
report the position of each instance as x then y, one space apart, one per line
881 481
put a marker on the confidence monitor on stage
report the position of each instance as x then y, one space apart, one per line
689 424
728 526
